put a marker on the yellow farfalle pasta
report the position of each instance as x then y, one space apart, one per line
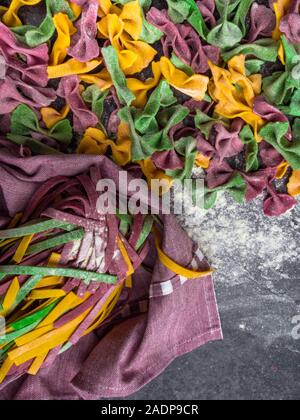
235 93
194 86
294 184
95 142
151 172
124 31
101 79
51 116
64 29
140 89
10 17
202 161
71 67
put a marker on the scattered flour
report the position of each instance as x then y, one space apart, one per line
239 240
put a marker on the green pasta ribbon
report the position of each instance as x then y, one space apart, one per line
33 229
274 134
110 56
86 276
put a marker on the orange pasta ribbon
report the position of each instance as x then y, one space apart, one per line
235 93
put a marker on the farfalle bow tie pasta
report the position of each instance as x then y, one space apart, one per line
159 91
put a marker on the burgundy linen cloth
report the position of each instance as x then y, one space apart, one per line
165 317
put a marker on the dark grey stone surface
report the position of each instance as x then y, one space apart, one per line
258 290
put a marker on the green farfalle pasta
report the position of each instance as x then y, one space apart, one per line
186 147
252 149
226 34
162 97
110 56
275 134
144 145
280 86
34 36
181 11
95 97
205 123
24 122
236 187
265 49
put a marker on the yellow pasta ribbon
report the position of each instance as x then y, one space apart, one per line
235 93
72 67
95 142
194 86
294 184
174 267
65 29
22 248
10 17
11 295
37 364
124 30
126 257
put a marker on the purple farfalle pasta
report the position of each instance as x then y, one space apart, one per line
270 157
290 26
277 204
207 9
184 41
13 92
270 113
83 118
263 22
84 43
219 173
257 182
32 67
226 143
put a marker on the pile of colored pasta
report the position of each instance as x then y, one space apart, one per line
159 87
